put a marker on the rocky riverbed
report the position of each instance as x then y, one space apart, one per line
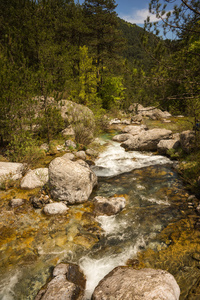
155 225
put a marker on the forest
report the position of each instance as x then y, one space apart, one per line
59 49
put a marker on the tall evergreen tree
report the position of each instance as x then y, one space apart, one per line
104 37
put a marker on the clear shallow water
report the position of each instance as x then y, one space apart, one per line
36 243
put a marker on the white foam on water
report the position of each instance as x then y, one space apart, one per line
157 201
97 269
7 286
110 225
115 160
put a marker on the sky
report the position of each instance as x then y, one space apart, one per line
136 11
133 11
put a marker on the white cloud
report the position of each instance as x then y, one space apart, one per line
138 16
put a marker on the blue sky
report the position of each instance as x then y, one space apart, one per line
136 11
133 11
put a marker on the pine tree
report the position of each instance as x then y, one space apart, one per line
104 38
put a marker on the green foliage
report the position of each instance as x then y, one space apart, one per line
112 92
88 80
23 148
51 123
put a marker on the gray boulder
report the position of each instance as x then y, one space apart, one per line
56 208
10 170
124 283
115 121
153 113
68 284
70 143
110 206
122 137
91 152
134 130
59 288
69 131
164 145
187 140
68 156
135 107
71 181
17 202
137 119
81 155
147 140
35 178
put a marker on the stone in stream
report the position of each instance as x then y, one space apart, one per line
57 208
17 202
110 206
146 284
71 181
35 178
147 140
68 283
165 145
122 137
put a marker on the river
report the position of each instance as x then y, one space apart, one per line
32 243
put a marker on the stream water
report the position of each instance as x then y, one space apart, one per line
32 243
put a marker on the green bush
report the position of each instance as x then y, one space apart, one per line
23 148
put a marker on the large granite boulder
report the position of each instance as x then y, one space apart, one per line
147 140
68 283
71 181
10 170
35 178
124 283
187 140
110 206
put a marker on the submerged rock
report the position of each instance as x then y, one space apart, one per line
145 284
71 181
110 206
35 178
